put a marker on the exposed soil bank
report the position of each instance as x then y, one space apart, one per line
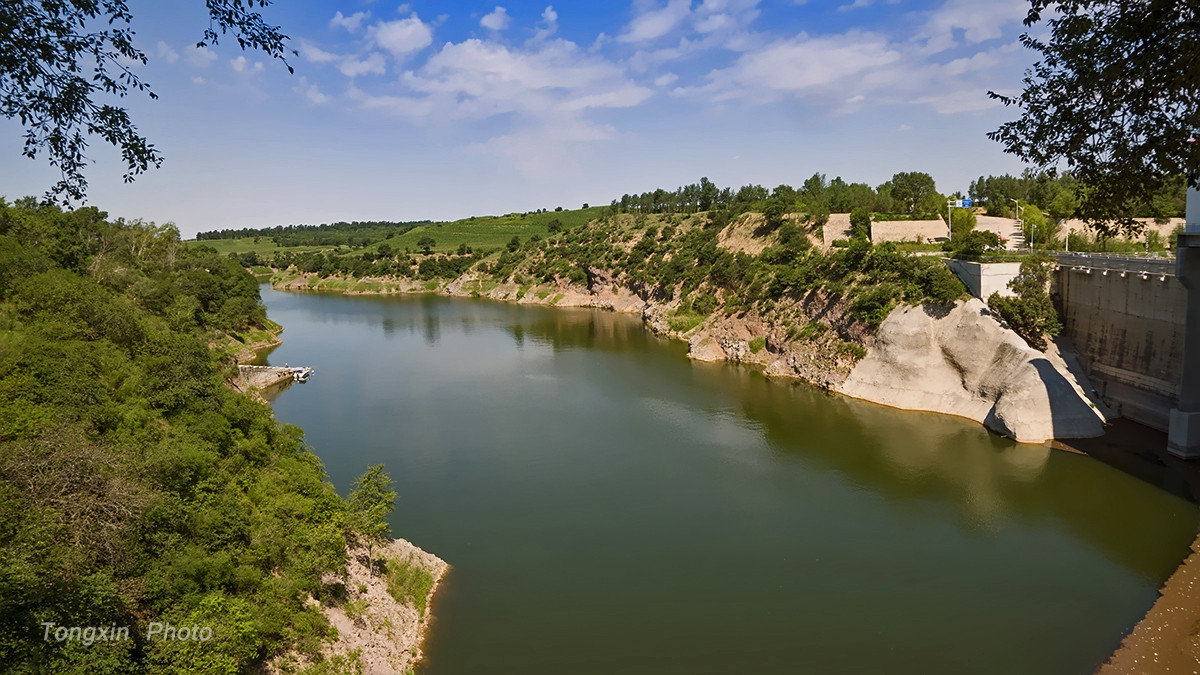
1168 639
957 360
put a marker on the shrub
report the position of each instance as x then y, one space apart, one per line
874 304
757 344
975 242
941 285
682 321
409 582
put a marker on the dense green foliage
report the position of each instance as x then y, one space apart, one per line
974 242
912 193
1030 312
1060 195
134 486
1109 97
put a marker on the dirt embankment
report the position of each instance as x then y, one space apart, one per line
1168 639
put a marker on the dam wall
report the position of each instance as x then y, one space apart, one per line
1126 319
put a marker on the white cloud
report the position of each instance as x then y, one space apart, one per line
496 20
241 64
666 79
549 24
488 78
372 64
200 56
400 106
403 36
315 54
655 21
979 21
545 151
718 15
311 92
352 23
166 53
857 4
801 65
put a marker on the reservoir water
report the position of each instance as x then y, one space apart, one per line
609 506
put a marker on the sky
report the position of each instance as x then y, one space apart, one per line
442 110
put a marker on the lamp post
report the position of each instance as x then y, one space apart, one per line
950 220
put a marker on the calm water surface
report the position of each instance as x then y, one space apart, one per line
609 506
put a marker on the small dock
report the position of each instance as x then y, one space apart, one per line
261 377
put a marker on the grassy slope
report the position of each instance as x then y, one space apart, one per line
489 232
482 232
265 246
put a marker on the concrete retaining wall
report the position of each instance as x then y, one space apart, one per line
924 231
983 279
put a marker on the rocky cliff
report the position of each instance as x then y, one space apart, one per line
964 362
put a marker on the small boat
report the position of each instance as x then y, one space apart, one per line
302 374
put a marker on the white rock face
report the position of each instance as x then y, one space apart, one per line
967 364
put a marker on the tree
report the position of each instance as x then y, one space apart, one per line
860 223
369 504
961 220
1064 205
774 211
426 244
64 63
916 191
1115 95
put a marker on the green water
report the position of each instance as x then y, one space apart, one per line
609 506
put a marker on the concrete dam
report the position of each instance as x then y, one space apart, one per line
1127 319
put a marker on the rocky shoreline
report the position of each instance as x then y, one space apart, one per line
957 360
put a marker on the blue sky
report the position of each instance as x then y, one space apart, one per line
447 109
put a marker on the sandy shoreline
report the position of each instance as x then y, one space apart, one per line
1167 640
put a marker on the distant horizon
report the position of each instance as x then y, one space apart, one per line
440 111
